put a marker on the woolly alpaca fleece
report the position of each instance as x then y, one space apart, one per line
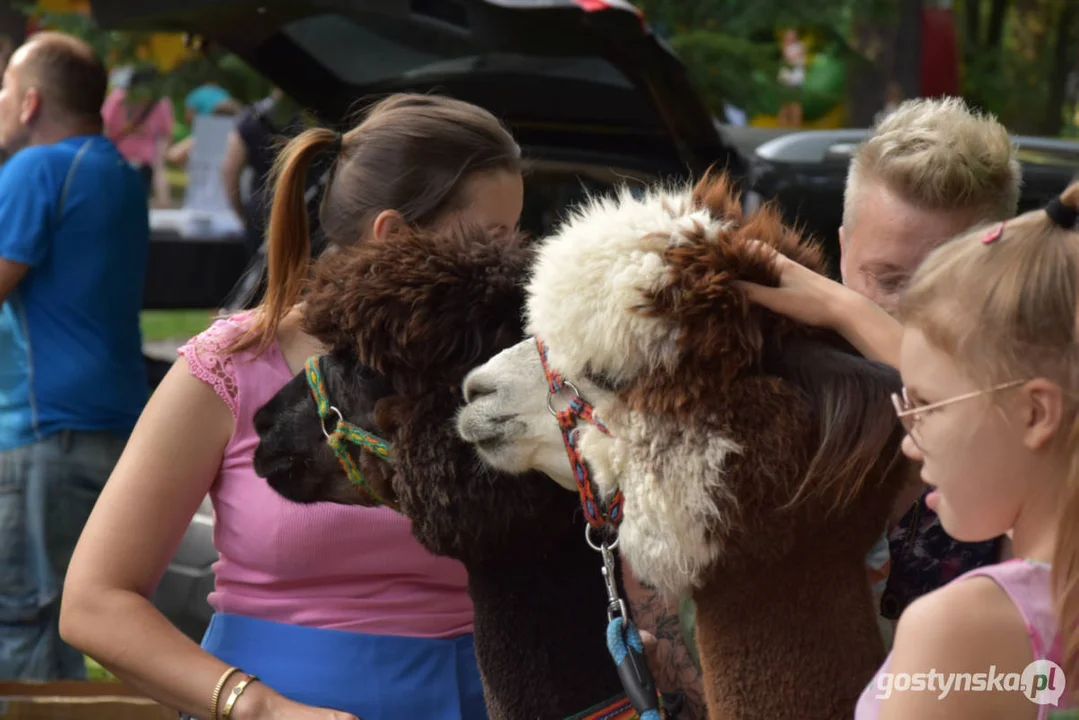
421 308
613 253
605 256
676 471
421 304
655 312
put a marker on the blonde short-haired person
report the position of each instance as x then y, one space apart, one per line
931 169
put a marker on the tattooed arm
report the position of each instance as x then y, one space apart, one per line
670 660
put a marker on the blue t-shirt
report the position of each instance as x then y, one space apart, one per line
205 98
70 344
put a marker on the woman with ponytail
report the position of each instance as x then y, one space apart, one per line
305 626
987 343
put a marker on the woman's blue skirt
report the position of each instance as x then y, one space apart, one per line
375 677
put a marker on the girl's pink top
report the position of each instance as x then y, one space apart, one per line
1028 584
319 565
136 143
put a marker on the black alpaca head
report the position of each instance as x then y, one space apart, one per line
293 453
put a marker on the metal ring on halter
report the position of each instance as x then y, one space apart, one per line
565 384
322 421
597 548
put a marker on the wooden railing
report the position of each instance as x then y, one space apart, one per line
74 700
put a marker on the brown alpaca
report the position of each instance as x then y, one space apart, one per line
758 460
406 318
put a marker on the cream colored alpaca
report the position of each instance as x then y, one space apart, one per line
758 460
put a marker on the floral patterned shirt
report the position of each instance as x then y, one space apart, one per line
924 557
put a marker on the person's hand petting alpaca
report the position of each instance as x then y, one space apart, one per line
813 299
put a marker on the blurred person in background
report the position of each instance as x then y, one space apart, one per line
139 123
74 239
260 133
207 99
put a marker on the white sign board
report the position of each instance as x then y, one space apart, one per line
206 213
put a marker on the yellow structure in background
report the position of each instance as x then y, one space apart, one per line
164 50
833 119
167 50
808 66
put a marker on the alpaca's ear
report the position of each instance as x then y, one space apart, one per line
327 315
715 193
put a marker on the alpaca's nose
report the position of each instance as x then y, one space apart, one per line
476 387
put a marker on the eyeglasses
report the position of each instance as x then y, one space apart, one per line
909 414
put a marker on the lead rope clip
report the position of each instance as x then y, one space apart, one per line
624 642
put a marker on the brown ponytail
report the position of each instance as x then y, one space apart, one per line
288 239
412 154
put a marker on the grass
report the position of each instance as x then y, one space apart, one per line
174 324
98 673
177 180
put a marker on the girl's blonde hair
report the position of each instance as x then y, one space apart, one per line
1002 300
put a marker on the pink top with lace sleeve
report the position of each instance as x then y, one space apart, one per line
320 565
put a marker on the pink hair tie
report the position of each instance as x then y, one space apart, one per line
993 234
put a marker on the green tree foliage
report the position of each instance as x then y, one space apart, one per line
731 50
127 48
744 17
117 48
730 68
1017 55
743 72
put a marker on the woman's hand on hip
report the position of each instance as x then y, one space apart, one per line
262 703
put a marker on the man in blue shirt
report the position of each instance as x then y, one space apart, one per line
74 239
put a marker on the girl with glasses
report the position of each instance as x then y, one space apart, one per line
988 348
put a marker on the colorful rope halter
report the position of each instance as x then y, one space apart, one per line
345 433
579 409
623 640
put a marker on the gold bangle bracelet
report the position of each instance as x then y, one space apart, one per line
216 697
235 695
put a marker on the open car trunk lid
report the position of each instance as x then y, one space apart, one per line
577 76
